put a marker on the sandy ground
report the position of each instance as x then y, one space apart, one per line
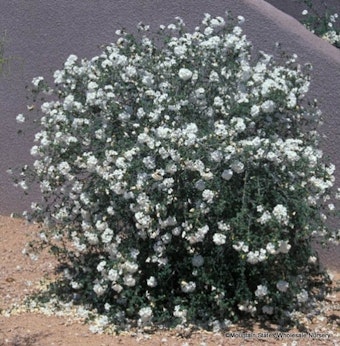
19 277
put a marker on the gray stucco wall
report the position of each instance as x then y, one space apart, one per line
41 34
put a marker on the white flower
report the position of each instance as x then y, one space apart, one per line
131 71
237 31
241 246
188 287
199 93
199 235
180 50
200 185
64 167
222 226
68 102
176 231
92 163
281 214
238 124
331 206
291 100
101 226
282 286
312 259
268 106
145 314
261 291
227 174
304 12
113 275
129 280
284 246
148 79
208 31
214 77
217 22
101 266
37 80
23 184
219 238
92 238
197 261
76 285
271 249
255 110
130 267
58 76
184 74
252 257
216 156
118 288
264 218
70 61
237 167
207 175
107 235
240 19
247 307
208 195
220 129
99 289
20 118
218 102
91 86
262 255
180 313
34 150
151 281
302 297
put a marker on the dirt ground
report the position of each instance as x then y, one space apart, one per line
19 277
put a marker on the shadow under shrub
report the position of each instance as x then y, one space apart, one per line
182 181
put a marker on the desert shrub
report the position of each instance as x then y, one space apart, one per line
322 22
181 177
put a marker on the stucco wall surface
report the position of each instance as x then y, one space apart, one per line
41 34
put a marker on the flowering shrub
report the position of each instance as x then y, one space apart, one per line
324 25
182 179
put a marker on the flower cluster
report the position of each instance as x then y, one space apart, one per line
182 179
